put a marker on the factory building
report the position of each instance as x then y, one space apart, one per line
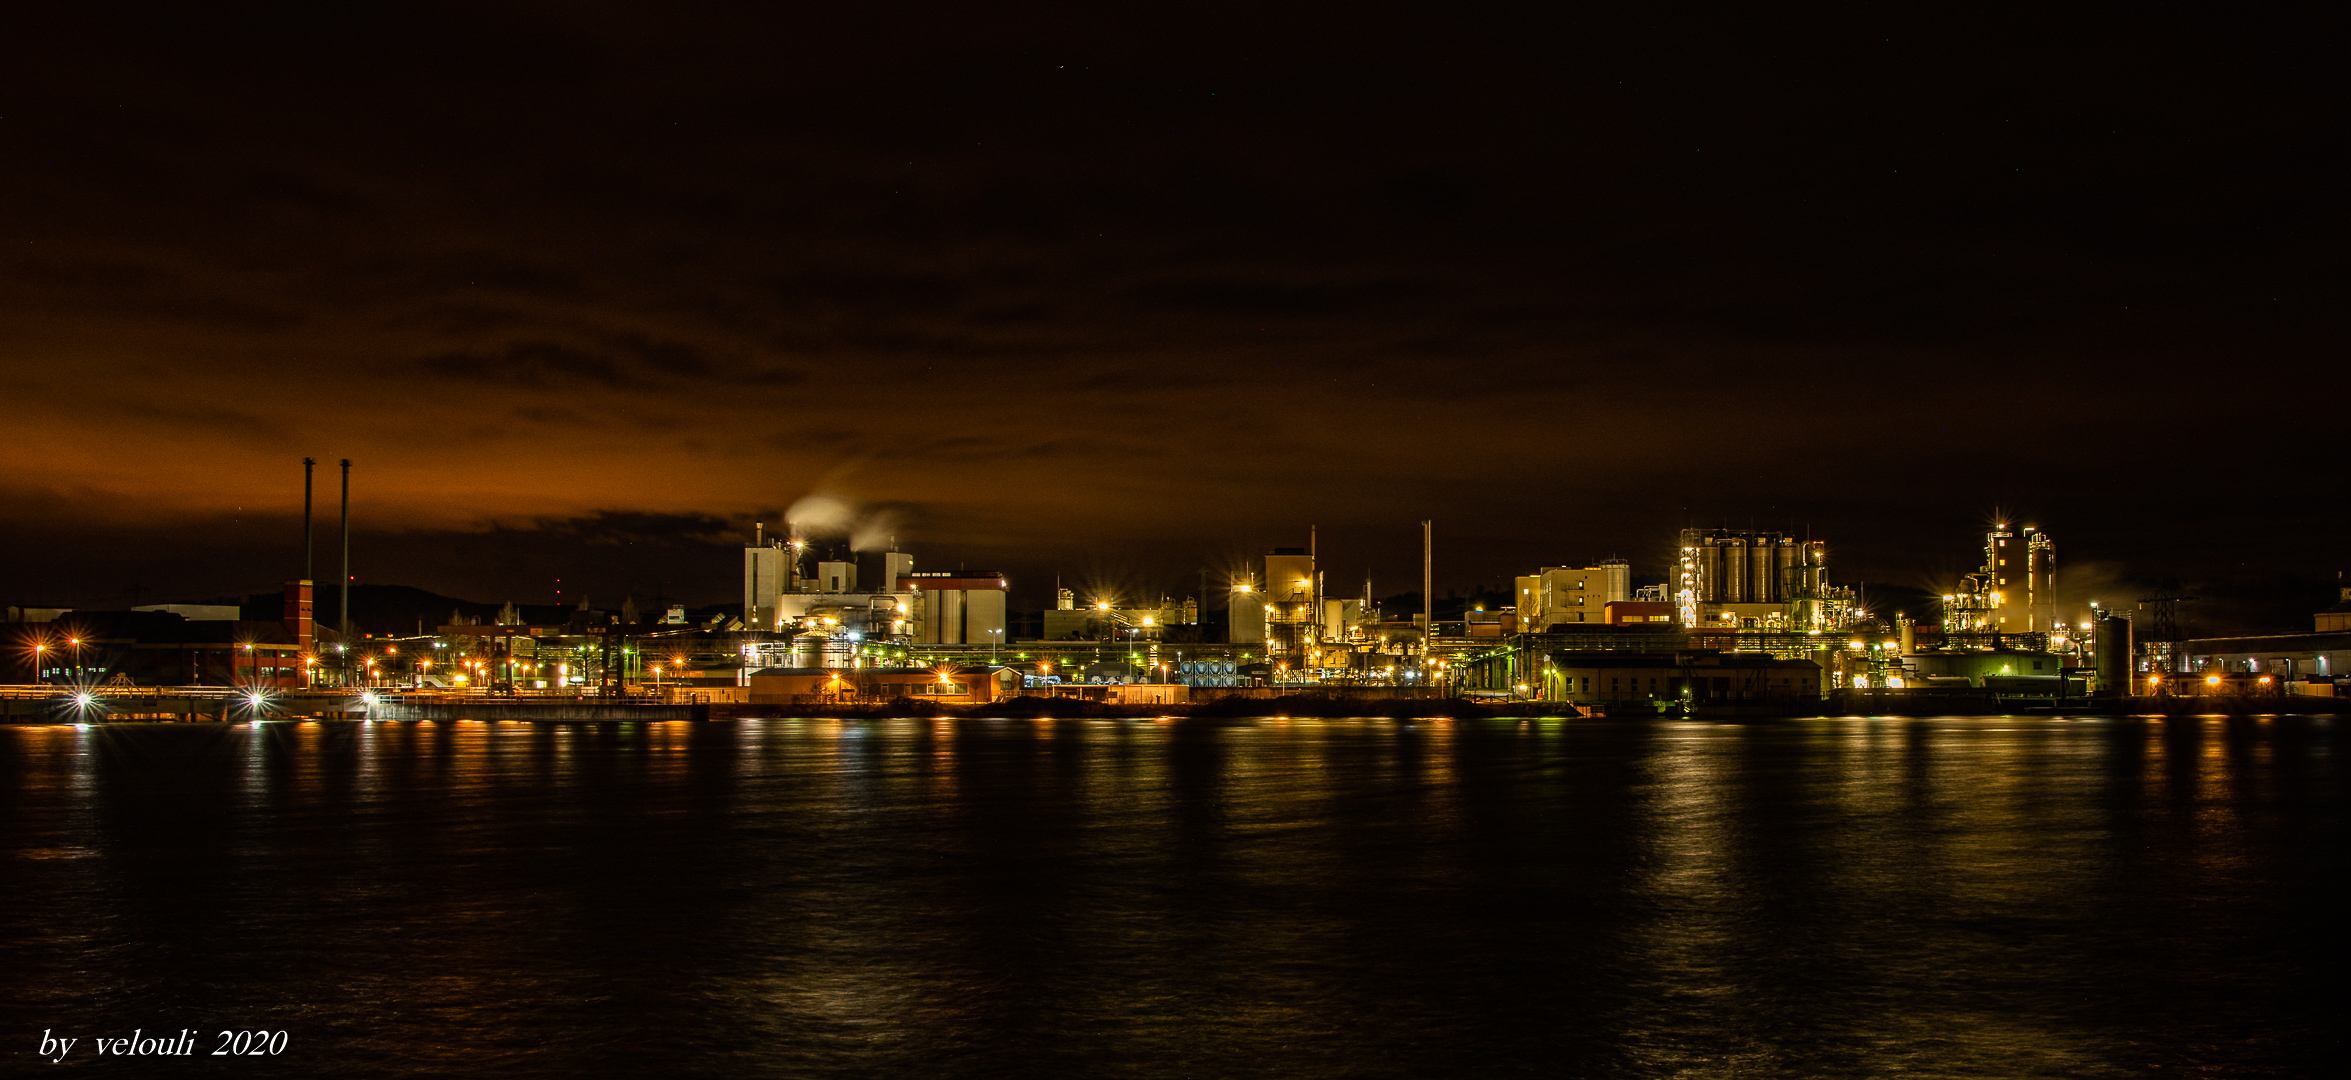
33 614
2337 619
2009 671
769 571
156 647
836 577
1488 624
1345 620
1566 595
1645 678
2315 663
1245 615
1103 622
1292 602
958 608
2014 592
781 594
879 616
1639 613
962 684
1746 579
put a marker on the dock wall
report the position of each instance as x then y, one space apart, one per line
590 711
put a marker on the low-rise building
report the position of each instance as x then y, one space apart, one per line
2296 663
1210 672
1489 624
1150 694
164 648
799 686
2337 619
1723 615
1639 612
962 684
1599 678
2288 657
2010 671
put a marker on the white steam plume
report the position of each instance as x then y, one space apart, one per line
877 531
820 515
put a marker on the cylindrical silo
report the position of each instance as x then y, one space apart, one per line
808 650
946 617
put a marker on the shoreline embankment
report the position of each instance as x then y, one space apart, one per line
1844 704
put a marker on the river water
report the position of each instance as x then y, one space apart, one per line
1981 897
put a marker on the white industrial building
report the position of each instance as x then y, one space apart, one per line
778 596
957 608
1556 595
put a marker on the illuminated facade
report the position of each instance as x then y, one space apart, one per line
2014 592
1565 595
1292 602
958 608
1742 579
765 579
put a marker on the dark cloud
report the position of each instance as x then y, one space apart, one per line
537 364
630 527
1173 278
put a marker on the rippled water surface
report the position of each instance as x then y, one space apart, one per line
1962 897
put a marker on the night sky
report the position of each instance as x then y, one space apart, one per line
1124 293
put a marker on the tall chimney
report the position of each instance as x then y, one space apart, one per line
309 465
1428 584
343 612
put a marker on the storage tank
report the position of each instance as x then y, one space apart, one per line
1620 580
808 650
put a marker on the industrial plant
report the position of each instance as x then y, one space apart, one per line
1737 620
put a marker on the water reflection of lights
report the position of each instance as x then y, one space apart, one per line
255 705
